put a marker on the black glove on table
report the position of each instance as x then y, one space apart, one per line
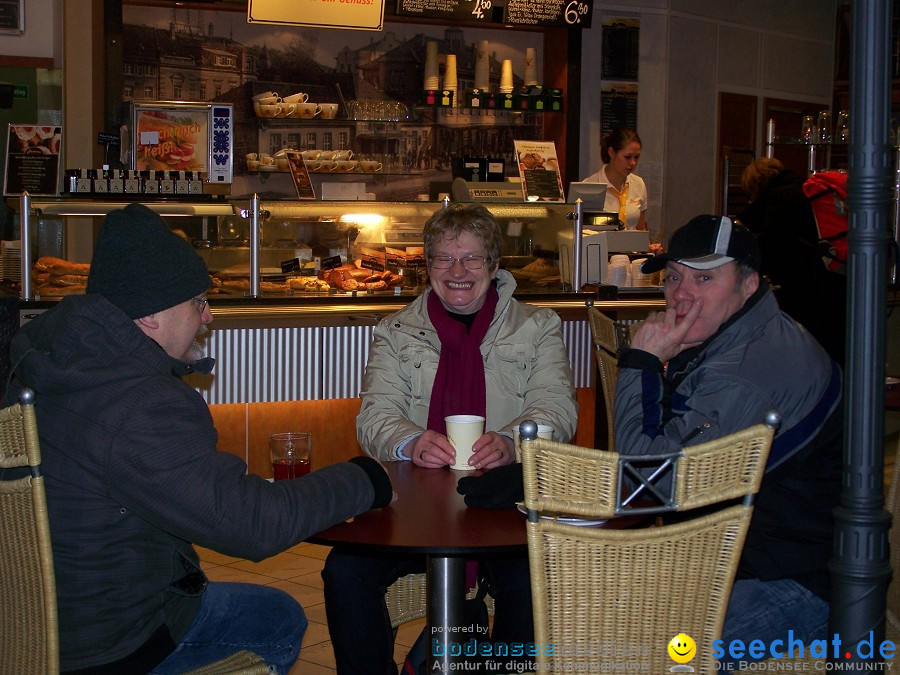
498 488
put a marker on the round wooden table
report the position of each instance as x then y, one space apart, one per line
429 517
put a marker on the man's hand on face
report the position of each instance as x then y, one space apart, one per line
663 333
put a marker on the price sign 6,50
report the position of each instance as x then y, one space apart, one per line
575 10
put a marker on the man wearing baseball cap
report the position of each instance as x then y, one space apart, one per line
715 361
133 476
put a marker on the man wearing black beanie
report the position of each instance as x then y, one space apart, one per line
133 476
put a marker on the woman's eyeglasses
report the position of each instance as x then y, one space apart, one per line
445 262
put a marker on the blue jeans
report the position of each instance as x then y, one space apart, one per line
233 617
767 610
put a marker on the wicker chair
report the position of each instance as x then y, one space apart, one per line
608 337
29 641
29 634
636 588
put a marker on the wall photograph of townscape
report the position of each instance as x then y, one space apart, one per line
375 78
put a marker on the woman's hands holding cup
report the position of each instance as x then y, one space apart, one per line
433 450
493 450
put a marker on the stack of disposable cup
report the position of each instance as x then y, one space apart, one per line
619 271
506 77
450 83
431 65
530 67
639 278
482 66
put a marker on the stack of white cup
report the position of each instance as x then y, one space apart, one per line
619 271
639 278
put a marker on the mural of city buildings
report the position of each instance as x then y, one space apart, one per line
375 78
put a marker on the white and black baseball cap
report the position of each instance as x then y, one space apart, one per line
707 242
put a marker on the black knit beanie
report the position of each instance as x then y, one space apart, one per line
141 266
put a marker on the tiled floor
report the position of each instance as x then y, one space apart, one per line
296 571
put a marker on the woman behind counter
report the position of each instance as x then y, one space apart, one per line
464 347
626 194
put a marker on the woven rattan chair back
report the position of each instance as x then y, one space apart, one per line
608 369
604 333
29 641
620 595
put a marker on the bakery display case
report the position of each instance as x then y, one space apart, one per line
257 249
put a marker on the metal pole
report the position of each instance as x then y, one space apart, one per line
25 236
859 567
576 245
254 245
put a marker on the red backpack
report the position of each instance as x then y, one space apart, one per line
827 194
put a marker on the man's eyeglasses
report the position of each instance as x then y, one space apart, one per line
201 303
445 262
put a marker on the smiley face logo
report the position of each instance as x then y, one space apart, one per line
682 648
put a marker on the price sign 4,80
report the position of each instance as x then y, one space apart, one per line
479 6
575 10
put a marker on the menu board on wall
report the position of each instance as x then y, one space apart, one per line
618 106
539 169
621 42
567 13
32 160
572 14
353 14
459 10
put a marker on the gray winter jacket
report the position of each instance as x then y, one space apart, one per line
759 360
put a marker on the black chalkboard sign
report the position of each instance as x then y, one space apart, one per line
479 11
565 13
12 16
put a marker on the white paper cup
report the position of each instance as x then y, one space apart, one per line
462 432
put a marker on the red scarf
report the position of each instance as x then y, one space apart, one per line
459 387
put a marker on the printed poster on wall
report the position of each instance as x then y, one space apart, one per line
32 160
353 14
539 169
618 106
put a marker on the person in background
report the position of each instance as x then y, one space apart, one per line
782 219
133 476
464 347
716 361
626 194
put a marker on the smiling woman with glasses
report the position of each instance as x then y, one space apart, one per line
464 347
